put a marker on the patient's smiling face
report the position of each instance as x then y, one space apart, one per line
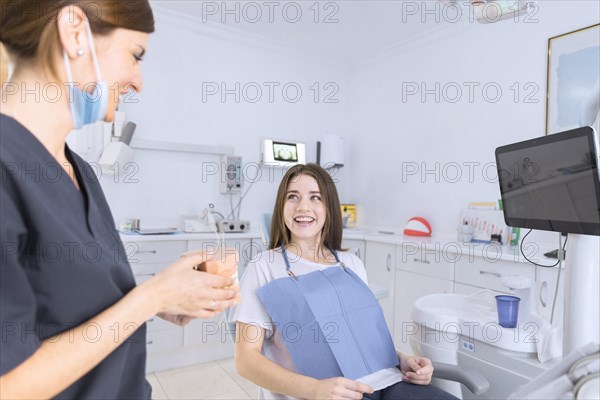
304 211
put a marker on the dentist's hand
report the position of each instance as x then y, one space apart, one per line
179 320
340 388
417 370
185 293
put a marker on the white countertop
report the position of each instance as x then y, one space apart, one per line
136 237
446 243
451 245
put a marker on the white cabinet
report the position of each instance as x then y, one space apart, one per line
417 275
355 246
485 274
421 268
408 270
379 263
169 346
245 248
147 259
163 340
217 332
546 288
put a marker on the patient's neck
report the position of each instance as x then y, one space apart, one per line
311 250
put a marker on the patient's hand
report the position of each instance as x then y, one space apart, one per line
340 388
417 370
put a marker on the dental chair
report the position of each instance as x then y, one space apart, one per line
470 378
265 228
577 376
462 331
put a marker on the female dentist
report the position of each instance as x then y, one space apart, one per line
72 317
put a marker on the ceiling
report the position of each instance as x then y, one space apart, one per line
347 30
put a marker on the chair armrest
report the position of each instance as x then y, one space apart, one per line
379 291
472 379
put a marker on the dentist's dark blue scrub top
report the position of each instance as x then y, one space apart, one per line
62 263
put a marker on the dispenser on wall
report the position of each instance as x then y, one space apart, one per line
331 152
231 174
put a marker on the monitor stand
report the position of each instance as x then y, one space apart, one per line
582 287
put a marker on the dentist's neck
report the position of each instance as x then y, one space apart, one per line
44 112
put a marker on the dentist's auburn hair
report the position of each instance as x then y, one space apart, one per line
28 28
331 235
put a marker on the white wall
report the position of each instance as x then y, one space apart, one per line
393 136
183 53
388 137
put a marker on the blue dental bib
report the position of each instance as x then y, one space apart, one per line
330 322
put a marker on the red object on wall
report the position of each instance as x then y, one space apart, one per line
417 226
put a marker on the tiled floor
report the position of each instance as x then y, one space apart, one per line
215 380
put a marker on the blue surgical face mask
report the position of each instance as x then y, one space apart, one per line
87 107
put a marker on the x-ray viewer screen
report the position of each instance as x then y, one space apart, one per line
285 152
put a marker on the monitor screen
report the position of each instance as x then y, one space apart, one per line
280 153
551 183
286 152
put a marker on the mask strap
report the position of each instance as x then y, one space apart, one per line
10 71
68 67
71 85
93 49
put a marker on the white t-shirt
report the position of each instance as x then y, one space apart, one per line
268 266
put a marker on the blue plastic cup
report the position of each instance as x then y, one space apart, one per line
508 310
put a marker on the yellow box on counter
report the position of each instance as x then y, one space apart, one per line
348 215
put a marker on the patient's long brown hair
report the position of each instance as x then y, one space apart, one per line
331 235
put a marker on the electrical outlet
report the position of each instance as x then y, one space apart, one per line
230 226
231 174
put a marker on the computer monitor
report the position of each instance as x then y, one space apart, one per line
551 183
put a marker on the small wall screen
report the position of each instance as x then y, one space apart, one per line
287 152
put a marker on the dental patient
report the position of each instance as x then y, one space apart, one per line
307 325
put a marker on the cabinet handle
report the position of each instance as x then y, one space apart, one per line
148 274
491 273
421 261
147 252
388 262
150 342
544 286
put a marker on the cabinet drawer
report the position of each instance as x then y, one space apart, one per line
488 275
245 248
546 288
468 290
356 247
164 340
158 324
143 272
211 332
154 252
424 262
